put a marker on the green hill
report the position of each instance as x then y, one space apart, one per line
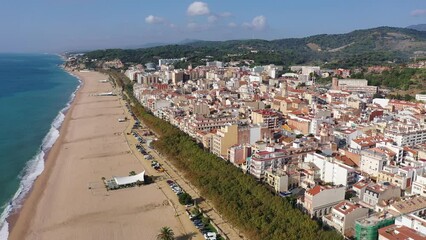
358 48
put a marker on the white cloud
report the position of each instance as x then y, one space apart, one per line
418 12
212 18
151 19
198 8
232 25
258 23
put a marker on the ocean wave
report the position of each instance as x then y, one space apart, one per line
34 167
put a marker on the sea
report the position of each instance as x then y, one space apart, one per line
35 93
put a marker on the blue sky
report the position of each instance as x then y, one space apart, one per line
59 25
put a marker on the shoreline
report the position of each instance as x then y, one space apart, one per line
69 200
50 154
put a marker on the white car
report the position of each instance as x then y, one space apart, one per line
210 236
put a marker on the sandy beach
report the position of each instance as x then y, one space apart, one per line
69 201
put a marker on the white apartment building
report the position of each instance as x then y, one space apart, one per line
217 64
132 73
404 134
419 186
210 123
412 221
373 161
267 159
343 216
331 170
163 61
399 151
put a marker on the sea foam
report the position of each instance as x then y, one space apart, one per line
34 167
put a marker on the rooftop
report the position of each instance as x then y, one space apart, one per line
409 205
346 207
394 232
375 218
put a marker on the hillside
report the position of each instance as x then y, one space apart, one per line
358 48
418 27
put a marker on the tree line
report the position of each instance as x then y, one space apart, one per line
246 203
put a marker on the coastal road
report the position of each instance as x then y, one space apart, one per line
223 226
160 179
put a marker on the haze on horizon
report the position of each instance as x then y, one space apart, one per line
62 25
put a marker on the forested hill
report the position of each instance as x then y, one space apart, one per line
358 48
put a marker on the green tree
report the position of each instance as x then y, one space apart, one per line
185 199
166 233
237 196
195 211
205 220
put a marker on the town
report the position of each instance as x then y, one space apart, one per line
351 158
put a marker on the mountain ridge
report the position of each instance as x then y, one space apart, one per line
418 27
360 47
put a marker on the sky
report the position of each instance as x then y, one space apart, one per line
69 25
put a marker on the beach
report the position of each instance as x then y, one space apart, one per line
69 200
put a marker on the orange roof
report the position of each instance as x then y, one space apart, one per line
315 190
384 151
369 141
346 207
360 184
345 160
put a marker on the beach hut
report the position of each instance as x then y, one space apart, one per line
127 181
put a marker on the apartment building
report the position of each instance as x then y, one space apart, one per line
363 143
269 158
331 170
300 125
373 160
224 138
148 79
277 179
410 205
360 187
353 85
238 154
366 228
319 200
406 134
419 185
402 177
378 194
343 216
415 222
267 117
209 123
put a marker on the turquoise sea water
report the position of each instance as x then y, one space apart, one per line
34 91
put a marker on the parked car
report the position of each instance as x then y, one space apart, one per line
210 236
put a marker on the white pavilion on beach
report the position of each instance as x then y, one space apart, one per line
117 182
